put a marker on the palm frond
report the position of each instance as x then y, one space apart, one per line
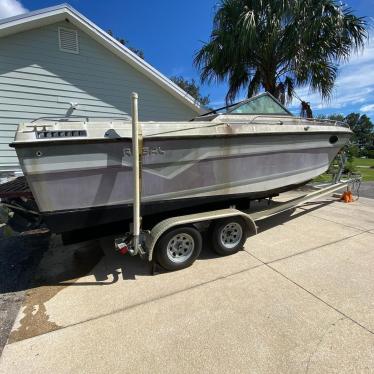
254 84
280 44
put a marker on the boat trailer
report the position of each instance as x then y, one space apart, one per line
175 242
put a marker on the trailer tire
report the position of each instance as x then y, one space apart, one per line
178 248
228 235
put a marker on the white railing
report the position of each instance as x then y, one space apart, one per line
313 121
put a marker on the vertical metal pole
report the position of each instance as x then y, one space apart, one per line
136 154
342 161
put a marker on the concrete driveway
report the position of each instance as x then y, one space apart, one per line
299 298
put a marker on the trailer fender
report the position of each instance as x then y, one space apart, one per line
154 235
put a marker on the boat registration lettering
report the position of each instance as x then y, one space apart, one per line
147 151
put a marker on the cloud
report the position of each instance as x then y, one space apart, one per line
354 85
9 8
367 108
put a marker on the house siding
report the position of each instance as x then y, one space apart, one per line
39 80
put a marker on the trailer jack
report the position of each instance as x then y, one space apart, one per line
126 244
123 244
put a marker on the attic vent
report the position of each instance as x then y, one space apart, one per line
68 40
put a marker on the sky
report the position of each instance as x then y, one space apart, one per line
171 32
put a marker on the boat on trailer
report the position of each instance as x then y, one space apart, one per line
80 171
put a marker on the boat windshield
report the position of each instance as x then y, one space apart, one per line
261 104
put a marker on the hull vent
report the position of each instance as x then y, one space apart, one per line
60 134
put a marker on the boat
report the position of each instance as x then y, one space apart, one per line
80 170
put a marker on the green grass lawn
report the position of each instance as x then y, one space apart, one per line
366 173
323 178
363 161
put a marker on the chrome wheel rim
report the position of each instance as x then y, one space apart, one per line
180 247
231 235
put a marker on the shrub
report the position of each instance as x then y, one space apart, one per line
349 168
363 153
353 151
371 154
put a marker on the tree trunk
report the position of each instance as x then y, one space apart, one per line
270 84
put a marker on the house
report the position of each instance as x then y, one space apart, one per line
54 62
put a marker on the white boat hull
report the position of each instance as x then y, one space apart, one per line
67 177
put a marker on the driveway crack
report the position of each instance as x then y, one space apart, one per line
320 340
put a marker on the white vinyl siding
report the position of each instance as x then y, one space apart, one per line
37 79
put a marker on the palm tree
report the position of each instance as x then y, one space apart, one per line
278 45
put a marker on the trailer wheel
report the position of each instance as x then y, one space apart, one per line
229 235
178 248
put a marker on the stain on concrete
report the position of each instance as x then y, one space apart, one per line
19 258
35 320
60 267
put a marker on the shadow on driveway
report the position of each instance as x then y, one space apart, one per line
19 257
65 265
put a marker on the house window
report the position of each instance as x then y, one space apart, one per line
68 40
